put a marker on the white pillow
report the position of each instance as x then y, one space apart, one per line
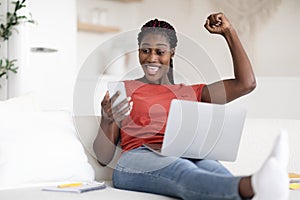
38 147
24 103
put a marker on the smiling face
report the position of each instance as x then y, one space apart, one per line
155 55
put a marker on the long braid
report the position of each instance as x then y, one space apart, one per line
158 26
170 72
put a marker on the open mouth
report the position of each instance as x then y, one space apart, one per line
151 69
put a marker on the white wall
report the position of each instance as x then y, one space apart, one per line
274 97
271 42
277 42
50 75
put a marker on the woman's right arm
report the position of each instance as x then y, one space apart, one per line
106 141
109 131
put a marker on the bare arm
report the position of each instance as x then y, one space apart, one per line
108 134
106 141
244 80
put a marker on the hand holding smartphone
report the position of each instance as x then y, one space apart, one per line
113 88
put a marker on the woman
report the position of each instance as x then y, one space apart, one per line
140 169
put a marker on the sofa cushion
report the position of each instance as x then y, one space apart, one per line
37 147
87 129
257 141
24 103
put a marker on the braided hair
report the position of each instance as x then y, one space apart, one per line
164 28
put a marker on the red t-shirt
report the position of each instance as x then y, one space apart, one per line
147 121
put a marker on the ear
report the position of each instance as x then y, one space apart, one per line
172 52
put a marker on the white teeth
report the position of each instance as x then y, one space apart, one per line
154 69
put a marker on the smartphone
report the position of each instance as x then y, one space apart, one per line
115 86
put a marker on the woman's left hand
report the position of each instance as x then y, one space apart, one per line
217 23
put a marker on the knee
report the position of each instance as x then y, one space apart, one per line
214 167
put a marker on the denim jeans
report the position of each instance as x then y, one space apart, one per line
145 171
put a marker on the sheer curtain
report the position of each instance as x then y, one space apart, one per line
247 15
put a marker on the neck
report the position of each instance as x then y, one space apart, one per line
163 81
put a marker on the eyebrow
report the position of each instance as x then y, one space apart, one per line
159 44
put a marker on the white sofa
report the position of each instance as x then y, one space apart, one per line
256 143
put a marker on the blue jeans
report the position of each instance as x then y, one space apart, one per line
145 171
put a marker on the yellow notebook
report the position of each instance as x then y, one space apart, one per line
295 186
76 187
294 175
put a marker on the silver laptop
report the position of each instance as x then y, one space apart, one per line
203 130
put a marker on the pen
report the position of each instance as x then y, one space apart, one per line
69 185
